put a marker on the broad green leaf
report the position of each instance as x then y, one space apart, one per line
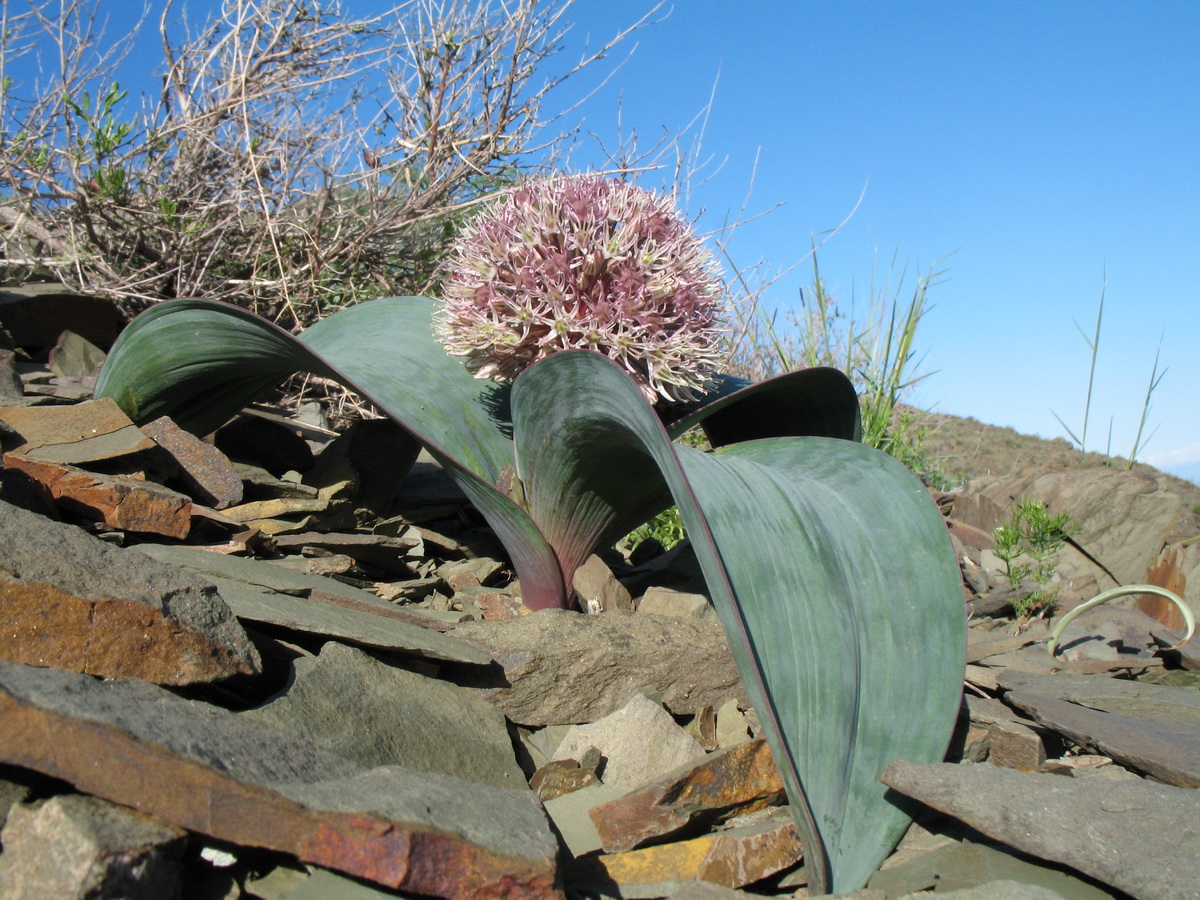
829 566
816 402
197 361
201 361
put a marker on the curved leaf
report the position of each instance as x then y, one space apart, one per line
201 361
198 361
817 402
829 566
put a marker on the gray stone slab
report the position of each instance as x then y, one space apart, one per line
1124 698
564 667
377 714
984 873
76 602
1137 836
207 769
260 592
258 572
75 847
1168 750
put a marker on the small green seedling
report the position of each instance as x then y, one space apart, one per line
1029 544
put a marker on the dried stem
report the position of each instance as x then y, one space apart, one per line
296 159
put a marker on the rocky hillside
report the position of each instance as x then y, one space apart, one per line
966 448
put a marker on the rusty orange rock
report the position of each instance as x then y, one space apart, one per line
736 781
71 601
733 858
118 502
109 637
204 769
208 473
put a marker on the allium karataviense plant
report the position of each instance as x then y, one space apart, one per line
827 562
585 263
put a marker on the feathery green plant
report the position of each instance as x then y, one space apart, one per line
1029 544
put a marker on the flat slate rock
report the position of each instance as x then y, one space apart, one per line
205 769
378 550
983 872
977 871
564 667
376 714
72 601
79 433
1137 836
1124 698
1168 750
260 592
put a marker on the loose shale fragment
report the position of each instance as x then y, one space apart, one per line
202 768
71 601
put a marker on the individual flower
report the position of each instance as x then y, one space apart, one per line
591 263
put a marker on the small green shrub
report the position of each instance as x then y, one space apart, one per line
1029 544
905 441
666 528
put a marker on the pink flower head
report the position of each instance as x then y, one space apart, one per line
584 262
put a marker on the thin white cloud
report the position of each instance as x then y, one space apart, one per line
1181 456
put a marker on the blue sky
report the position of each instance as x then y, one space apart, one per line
1036 148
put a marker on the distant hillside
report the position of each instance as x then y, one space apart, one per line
967 447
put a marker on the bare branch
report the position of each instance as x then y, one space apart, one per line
295 159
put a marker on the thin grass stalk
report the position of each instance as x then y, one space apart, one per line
1155 378
1094 346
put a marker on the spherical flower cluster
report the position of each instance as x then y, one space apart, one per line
585 262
